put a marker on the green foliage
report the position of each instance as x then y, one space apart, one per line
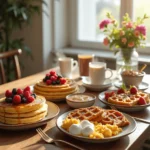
13 15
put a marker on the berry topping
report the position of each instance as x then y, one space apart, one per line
30 99
133 90
62 80
48 82
52 73
33 95
120 91
23 100
8 93
141 101
19 91
26 94
17 99
27 89
108 94
8 100
53 78
14 91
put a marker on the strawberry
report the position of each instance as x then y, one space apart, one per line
52 73
62 80
17 99
141 101
26 94
133 90
19 91
120 91
8 93
30 99
48 82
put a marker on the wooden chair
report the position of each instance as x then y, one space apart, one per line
14 54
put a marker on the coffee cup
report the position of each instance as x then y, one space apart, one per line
97 72
67 66
83 61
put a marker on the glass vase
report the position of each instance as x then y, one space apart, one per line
126 59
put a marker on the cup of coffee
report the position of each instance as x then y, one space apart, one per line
97 72
83 61
67 66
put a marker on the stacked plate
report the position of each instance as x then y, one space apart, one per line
100 87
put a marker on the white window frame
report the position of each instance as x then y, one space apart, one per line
126 7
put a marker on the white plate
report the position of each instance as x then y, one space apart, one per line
142 86
101 97
125 130
87 83
53 111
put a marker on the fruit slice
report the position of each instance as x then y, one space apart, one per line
133 90
141 101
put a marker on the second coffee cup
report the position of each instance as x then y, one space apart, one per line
97 72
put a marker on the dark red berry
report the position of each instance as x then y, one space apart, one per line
62 80
141 101
48 82
16 99
27 89
30 99
52 72
19 91
120 91
8 93
26 94
53 78
133 90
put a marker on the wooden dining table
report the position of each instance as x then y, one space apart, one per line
30 140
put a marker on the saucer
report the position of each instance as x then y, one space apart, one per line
142 86
87 83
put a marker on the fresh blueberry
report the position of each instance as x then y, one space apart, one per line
23 100
47 77
33 95
44 80
9 100
59 76
14 91
54 83
57 81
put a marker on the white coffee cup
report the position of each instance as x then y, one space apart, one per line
97 72
67 66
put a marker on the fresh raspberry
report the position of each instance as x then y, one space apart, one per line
120 91
62 80
8 93
48 82
133 90
47 75
30 99
52 73
19 91
27 89
16 99
26 94
53 78
141 101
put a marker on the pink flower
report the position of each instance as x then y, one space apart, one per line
141 29
129 25
136 33
131 44
106 41
124 40
104 23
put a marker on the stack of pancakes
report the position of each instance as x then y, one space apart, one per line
24 113
53 92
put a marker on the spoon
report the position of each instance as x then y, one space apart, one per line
144 66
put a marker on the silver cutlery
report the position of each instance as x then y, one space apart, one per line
136 118
48 139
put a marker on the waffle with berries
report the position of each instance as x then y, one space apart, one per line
22 107
54 87
130 97
97 114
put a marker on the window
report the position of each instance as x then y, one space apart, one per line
89 13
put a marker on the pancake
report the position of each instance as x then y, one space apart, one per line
22 108
55 91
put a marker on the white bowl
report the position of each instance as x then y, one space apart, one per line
78 103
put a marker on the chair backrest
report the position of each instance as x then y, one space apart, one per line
14 54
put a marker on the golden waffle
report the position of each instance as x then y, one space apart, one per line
97 114
56 91
127 99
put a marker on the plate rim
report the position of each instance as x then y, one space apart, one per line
120 106
27 126
86 139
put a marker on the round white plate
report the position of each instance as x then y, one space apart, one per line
87 83
142 86
53 111
101 97
125 130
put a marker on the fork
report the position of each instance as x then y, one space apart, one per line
136 118
48 139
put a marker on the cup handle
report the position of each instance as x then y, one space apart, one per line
75 64
107 69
